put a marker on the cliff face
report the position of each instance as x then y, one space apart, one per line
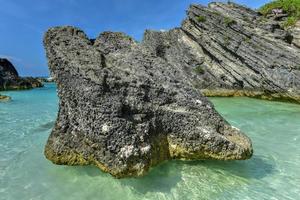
10 80
125 109
232 50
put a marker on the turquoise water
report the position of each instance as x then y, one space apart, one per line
272 173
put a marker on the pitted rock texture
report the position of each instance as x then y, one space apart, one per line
125 106
230 50
10 80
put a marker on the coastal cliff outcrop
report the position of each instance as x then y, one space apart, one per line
10 79
124 108
230 50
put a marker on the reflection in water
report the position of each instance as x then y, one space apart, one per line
160 179
256 168
46 126
165 176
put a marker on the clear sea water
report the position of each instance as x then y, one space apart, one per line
272 173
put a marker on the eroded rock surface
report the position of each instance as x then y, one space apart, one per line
230 50
10 80
126 106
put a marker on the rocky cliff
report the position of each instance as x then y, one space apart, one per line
10 80
124 108
230 50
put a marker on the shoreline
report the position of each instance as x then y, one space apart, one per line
279 97
261 95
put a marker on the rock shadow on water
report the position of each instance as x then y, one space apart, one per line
161 178
168 174
46 126
257 167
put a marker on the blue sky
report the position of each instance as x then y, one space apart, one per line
23 23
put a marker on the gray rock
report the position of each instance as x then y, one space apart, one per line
244 57
10 80
7 70
126 106
230 50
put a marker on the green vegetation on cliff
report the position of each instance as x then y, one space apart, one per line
199 69
228 21
201 18
291 7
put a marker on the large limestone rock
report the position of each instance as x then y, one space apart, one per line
10 80
125 106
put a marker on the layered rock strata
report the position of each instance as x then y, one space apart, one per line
230 50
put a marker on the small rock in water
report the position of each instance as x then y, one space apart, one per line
4 98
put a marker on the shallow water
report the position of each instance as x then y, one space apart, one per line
272 173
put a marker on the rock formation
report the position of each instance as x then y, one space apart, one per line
10 80
125 108
230 50
4 98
